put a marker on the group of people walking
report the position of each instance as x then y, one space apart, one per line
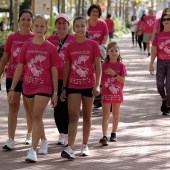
63 68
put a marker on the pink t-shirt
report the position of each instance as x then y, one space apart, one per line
149 23
82 56
157 25
112 90
54 39
98 32
140 26
38 60
162 42
110 24
13 46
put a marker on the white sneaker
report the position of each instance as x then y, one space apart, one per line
9 144
28 139
65 139
31 156
68 153
61 139
84 150
43 149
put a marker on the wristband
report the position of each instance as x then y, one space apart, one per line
11 90
55 93
115 75
64 88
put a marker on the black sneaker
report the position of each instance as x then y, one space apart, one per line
113 137
103 141
98 106
149 54
167 112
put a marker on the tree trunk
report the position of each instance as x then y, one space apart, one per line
108 7
63 7
15 16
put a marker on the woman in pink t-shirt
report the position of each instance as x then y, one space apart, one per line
97 28
113 78
161 50
82 76
61 40
38 58
12 48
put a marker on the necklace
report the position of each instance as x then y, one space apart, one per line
39 45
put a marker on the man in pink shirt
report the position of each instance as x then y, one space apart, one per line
110 25
149 22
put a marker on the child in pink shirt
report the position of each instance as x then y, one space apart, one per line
38 58
82 81
113 78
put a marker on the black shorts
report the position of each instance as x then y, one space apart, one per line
111 34
39 94
83 92
18 87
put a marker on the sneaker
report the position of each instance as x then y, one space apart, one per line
61 139
9 144
103 141
31 156
43 149
28 139
68 153
167 113
65 139
98 106
149 54
84 150
113 137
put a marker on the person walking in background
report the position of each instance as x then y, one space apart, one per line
97 28
156 28
3 24
149 21
12 48
38 59
133 25
81 81
160 49
61 40
98 31
113 78
139 32
110 25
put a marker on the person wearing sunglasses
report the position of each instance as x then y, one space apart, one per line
61 40
161 51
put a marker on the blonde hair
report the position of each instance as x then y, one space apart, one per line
112 44
39 16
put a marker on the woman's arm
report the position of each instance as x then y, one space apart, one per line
54 99
4 61
96 89
15 80
105 41
153 56
65 80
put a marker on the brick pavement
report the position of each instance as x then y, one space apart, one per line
143 135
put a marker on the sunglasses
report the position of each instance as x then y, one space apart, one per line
166 19
113 51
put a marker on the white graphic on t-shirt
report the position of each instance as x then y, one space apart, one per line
150 22
35 65
112 87
94 36
81 68
15 53
61 54
165 46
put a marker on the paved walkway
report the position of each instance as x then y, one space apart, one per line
143 133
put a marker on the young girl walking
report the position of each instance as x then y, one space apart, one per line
38 58
82 76
113 78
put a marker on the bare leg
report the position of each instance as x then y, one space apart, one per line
105 119
12 115
115 113
37 114
87 113
74 101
